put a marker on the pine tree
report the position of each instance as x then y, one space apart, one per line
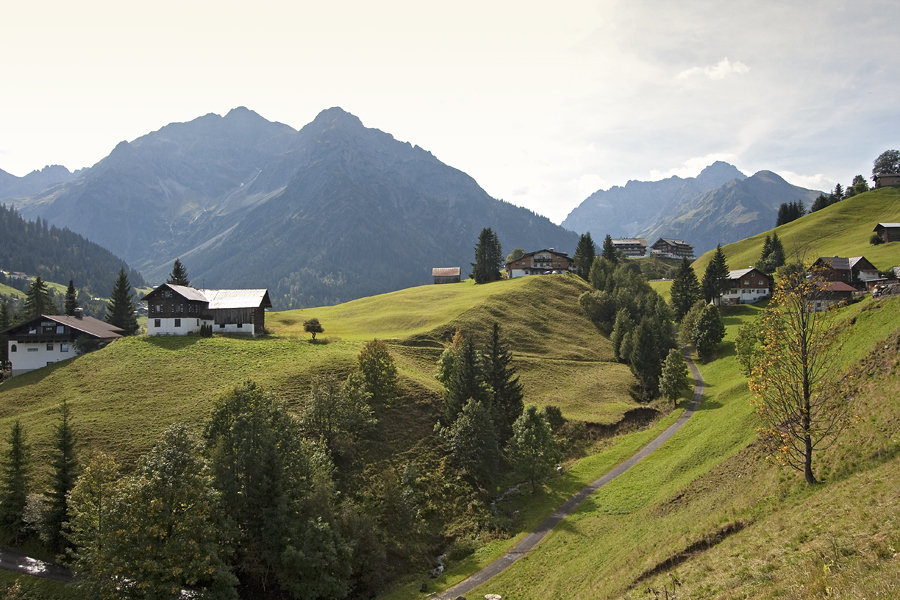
685 290
715 278
609 250
507 402
65 467
644 361
120 308
473 443
488 255
465 382
532 446
179 275
776 257
585 252
38 301
71 299
14 488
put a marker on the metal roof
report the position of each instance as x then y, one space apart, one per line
741 272
445 272
88 325
237 298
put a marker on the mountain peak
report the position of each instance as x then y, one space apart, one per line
719 173
336 117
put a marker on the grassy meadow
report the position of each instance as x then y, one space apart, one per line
124 396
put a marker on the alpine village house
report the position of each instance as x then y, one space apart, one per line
49 339
179 310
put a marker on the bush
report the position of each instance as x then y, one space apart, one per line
876 239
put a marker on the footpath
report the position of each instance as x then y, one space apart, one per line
540 532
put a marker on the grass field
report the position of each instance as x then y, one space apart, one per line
123 396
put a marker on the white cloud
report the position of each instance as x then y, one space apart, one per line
811 182
721 70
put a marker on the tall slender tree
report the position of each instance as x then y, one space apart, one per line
673 378
65 467
585 252
38 301
715 278
120 308
532 446
71 299
465 382
685 290
179 274
609 250
14 486
473 443
500 376
488 256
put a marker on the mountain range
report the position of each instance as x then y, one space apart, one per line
329 213
720 205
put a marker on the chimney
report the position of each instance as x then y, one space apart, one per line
79 313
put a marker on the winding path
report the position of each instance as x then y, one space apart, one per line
532 539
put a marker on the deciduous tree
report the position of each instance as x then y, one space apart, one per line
792 380
887 162
708 331
336 415
378 372
120 308
532 446
313 327
674 376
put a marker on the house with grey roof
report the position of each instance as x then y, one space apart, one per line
179 310
49 339
855 270
888 232
747 286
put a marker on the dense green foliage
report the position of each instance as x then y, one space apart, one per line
506 390
532 446
585 252
674 377
715 278
65 470
313 327
56 254
887 162
488 256
378 373
685 290
14 484
71 302
37 302
708 331
790 211
120 310
473 443
772 255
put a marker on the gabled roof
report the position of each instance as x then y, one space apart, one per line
237 298
445 272
841 263
886 226
673 242
640 241
89 325
220 298
741 272
836 286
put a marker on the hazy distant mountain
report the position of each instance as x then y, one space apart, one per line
720 205
737 210
333 212
34 182
625 211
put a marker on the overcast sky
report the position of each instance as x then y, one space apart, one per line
542 103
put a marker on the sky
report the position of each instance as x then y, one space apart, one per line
541 103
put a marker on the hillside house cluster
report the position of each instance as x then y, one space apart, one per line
541 262
854 271
179 310
51 338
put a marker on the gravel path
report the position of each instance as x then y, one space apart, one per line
532 539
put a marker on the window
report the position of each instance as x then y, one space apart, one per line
221 325
60 329
177 322
49 345
63 347
157 322
181 308
13 348
33 349
239 325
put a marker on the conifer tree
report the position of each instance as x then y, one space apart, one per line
507 402
14 489
179 275
120 308
473 443
65 467
488 255
71 299
715 278
466 382
532 446
609 250
776 257
38 301
585 252
685 290
644 361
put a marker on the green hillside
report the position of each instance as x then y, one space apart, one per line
842 229
124 395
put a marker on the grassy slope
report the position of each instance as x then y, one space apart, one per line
842 229
123 396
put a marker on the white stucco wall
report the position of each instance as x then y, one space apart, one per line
30 356
190 325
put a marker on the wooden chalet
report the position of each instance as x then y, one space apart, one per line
830 294
179 310
631 246
747 286
445 274
887 180
888 232
542 262
51 338
671 248
854 271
